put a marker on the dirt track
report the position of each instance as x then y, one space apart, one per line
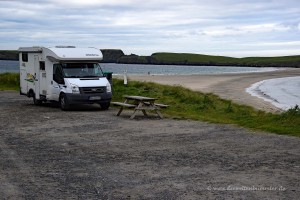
91 154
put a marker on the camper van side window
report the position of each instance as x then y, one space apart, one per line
42 66
25 57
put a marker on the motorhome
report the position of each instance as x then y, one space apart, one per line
64 74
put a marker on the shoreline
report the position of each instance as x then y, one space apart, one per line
228 86
281 92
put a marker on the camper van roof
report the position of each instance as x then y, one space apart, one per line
66 53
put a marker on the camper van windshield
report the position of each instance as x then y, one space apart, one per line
82 70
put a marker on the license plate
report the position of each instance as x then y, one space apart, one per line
95 98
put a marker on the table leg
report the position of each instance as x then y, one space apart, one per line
159 114
121 109
136 109
133 115
145 113
156 109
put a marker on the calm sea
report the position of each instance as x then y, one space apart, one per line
13 66
9 66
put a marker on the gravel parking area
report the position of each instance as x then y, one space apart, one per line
92 154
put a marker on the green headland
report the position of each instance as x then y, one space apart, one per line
164 58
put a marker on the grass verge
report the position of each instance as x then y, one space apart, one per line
9 81
188 104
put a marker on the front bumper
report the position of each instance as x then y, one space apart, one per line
89 98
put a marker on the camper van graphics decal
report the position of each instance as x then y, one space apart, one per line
30 78
91 54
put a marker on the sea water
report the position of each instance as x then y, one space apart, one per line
283 93
136 69
9 66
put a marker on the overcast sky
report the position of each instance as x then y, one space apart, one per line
220 27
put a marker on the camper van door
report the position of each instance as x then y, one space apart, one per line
43 79
36 77
57 80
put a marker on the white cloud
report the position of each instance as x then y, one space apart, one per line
278 44
90 3
245 29
154 25
260 53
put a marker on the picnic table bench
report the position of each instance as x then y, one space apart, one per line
140 103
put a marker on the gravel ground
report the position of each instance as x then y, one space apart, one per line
92 154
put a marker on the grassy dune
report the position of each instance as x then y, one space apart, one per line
188 104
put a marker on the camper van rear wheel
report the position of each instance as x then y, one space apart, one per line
64 104
35 101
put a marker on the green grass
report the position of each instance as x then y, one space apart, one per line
9 81
188 104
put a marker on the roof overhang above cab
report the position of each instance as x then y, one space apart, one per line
30 49
74 54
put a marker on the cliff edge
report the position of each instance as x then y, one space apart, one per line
111 55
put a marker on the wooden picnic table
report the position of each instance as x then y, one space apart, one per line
140 103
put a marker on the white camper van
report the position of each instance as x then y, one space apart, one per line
65 74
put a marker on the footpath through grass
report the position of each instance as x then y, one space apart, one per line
188 104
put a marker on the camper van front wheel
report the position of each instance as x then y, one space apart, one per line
104 106
64 104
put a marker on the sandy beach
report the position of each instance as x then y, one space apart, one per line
227 86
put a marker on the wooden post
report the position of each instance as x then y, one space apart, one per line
125 77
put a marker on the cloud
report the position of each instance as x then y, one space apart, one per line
245 29
91 3
154 25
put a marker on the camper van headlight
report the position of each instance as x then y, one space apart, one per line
108 87
75 89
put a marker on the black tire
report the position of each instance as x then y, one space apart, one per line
105 106
63 102
35 101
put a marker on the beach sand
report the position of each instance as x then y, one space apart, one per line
227 86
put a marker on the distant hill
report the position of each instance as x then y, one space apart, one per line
200 59
9 55
117 56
